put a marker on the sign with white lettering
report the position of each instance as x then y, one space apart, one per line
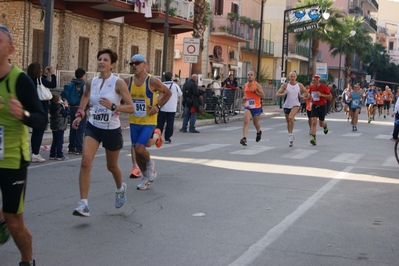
190 59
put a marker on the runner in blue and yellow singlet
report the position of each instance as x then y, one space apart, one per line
143 89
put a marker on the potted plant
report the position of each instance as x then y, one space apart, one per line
255 24
173 11
248 21
232 16
222 28
243 19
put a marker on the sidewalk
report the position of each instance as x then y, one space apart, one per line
268 111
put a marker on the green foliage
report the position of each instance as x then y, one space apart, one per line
208 13
303 78
256 24
204 116
232 16
173 11
264 75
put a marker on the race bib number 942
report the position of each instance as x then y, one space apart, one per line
140 107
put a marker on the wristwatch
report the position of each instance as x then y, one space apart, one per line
26 113
113 107
159 107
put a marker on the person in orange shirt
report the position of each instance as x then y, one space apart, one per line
253 93
380 101
388 97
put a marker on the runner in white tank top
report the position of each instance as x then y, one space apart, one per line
101 116
105 94
291 91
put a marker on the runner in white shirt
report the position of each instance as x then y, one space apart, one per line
291 91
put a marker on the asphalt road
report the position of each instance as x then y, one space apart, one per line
264 204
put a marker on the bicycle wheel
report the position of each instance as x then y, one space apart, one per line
218 114
338 106
396 149
226 114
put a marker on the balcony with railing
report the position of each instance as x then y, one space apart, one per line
232 29
370 23
177 8
383 30
267 47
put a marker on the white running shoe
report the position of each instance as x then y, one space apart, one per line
120 197
37 158
291 139
82 210
151 172
143 182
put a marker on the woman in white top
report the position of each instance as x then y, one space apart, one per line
292 91
105 94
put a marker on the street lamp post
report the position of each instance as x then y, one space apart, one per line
165 38
260 40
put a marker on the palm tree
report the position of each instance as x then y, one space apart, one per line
377 59
199 26
348 39
321 33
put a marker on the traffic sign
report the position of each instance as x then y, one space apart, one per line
368 78
191 46
190 59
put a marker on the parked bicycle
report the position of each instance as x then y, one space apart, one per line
221 110
338 106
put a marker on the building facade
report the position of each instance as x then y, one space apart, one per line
81 29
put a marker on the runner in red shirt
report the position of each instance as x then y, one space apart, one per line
319 93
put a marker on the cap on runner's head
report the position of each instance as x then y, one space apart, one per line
316 77
139 57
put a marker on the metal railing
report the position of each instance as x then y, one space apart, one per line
233 27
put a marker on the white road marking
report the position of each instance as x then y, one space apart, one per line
205 148
299 154
256 249
347 158
252 150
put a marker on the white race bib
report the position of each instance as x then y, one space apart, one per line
250 103
101 114
314 96
140 108
1 143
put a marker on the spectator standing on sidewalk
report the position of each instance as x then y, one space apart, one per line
168 112
191 101
320 93
21 108
253 93
59 111
73 92
35 73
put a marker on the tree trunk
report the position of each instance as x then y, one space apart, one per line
198 32
315 51
348 69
